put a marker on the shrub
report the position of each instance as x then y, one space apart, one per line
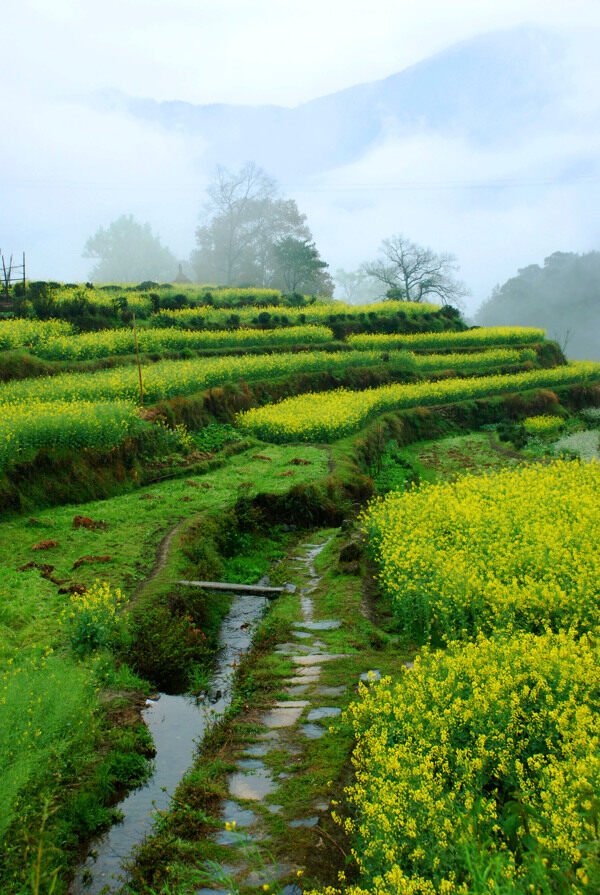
92 618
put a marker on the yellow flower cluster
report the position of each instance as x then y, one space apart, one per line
20 333
92 617
28 426
543 424
121 341
478 771
100 600
327 416
514 550
471 338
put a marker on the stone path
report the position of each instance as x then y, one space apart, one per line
287 724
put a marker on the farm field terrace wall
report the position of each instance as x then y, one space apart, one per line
331 415
512 550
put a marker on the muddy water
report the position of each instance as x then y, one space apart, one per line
177 724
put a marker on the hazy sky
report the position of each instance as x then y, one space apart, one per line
237 51
66 168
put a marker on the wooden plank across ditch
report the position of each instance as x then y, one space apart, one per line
258 589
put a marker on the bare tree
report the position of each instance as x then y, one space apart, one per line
414 273
233 199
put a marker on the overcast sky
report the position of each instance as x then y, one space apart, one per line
245 51
66 168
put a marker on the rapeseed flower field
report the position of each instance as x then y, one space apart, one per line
478 771
21 333
511 551
472 338
544 424
328 416
27 427
105 343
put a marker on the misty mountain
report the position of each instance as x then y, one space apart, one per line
562 296
495 89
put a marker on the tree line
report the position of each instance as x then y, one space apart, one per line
249 235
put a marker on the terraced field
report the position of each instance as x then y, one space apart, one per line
389 428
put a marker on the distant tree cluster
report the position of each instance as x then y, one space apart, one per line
128 252
253 237
249 236
403 271
563 296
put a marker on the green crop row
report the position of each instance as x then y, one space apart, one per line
320 312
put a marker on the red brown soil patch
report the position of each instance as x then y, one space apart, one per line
86 522
44 567
281 474
262 457
299 461
45 545
73 589
84 559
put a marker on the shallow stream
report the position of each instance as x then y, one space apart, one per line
177 724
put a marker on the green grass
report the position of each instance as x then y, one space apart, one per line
30 605
52 718
446 458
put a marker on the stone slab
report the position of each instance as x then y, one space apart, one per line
315 658
304 822
312 731
326 624
253 787
282 717
325 711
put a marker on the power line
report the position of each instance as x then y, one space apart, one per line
406 186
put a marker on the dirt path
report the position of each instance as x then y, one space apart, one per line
515 455
162 555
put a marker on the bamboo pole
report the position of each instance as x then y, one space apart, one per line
137 354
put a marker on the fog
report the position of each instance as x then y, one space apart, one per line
500 184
